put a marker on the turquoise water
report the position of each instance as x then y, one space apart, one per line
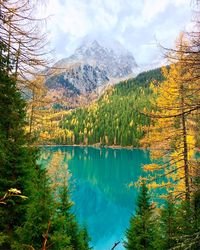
99 186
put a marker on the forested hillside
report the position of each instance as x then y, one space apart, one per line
116 118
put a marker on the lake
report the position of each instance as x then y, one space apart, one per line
99 185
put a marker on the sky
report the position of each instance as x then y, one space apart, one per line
139 25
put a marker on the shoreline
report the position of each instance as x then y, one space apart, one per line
92 146
99 146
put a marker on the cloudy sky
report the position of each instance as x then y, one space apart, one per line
140 25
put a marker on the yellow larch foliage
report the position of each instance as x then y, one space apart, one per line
69 133
131 123
106 140
169 137
152 167
93 107
74 121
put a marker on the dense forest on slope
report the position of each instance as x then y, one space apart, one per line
116 118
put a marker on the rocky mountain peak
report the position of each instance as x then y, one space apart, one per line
91 67
111 57
91 50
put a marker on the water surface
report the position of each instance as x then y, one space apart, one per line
99 186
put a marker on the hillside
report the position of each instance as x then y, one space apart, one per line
115 119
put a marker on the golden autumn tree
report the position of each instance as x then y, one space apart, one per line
23 37
37 104
171 135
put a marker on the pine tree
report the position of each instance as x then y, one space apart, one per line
188 230
39 217
169 223
78 237
140 234
65 232
18 160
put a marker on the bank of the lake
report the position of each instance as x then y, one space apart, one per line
92 145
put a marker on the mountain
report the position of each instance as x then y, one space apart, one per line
81 78
116 118
91 68
117 63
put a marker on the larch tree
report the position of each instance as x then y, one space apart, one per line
171 136
37 105
21 34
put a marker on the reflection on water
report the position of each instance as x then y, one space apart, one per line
99 187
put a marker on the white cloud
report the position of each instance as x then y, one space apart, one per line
75 19
70 17
153 7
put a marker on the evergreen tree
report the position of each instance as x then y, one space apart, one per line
140 234
70 234
180 224
168 223
188 230
18 160
50 224
38 224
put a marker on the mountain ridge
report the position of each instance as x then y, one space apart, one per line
89 70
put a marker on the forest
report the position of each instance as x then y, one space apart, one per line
158 110
95 124
116 118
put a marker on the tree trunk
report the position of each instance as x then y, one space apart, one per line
185 157
185 145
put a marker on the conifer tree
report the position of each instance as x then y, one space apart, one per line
140 233
66 232
18 160
187 234
170 131
23 38
77 237
37 228
168 223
